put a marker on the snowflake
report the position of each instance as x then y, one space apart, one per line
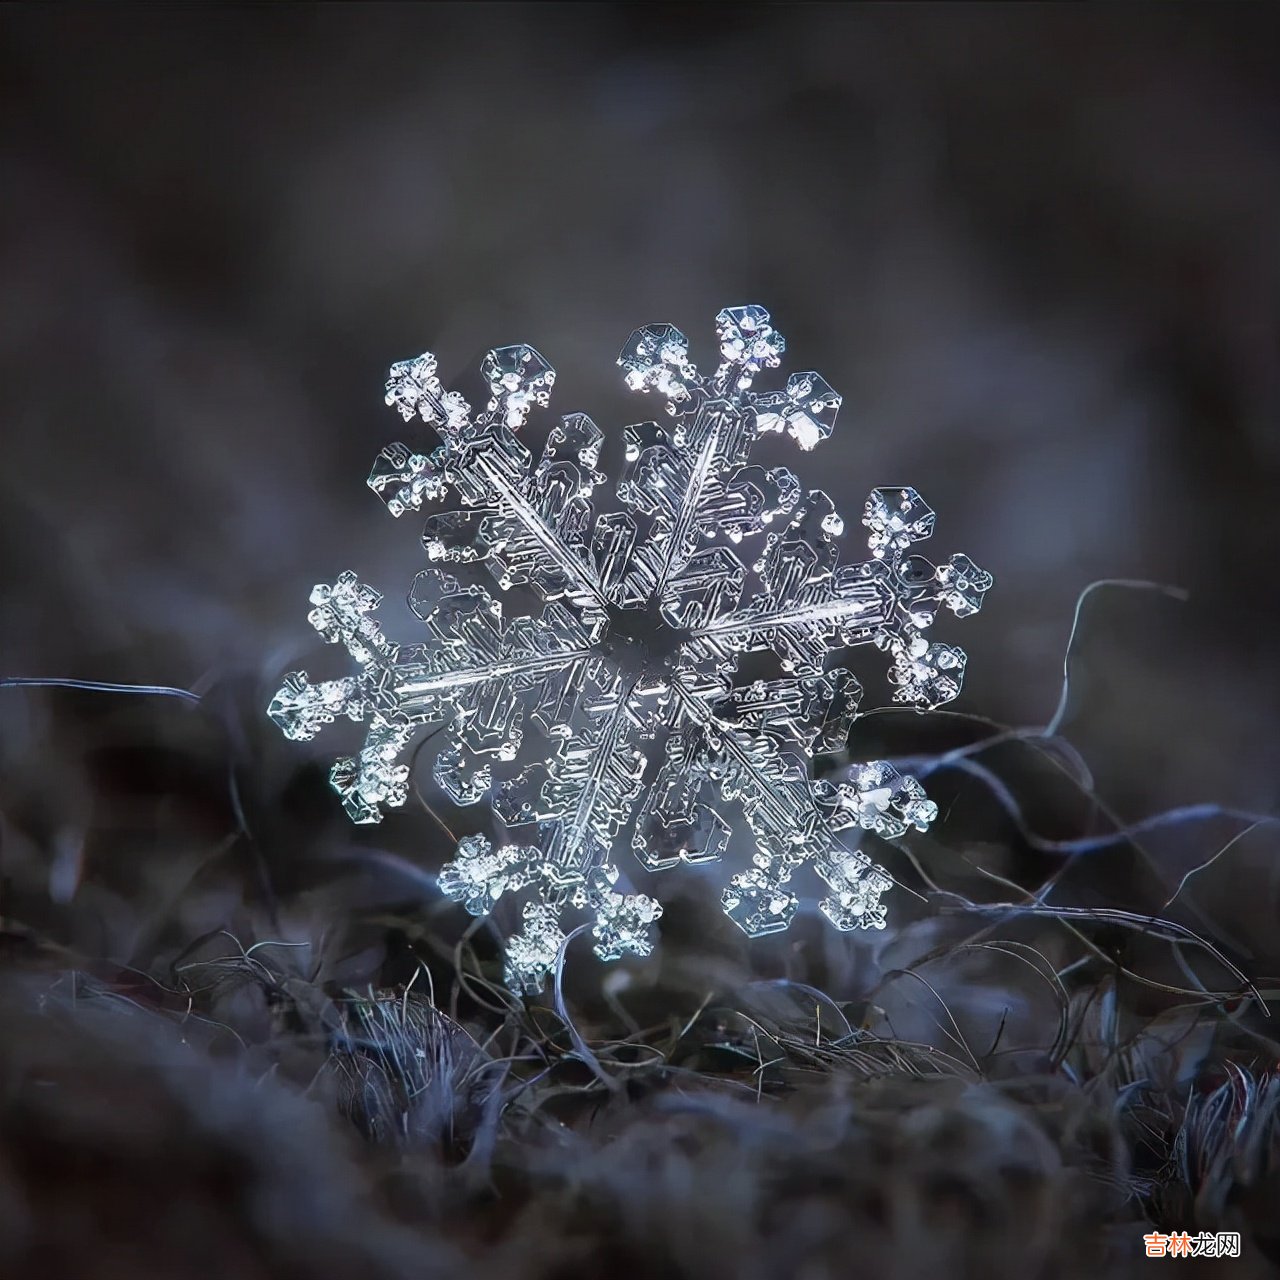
616 707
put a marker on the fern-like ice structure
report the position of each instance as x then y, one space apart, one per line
614 711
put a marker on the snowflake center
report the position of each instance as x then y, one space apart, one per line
641 639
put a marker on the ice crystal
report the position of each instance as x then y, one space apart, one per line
615 710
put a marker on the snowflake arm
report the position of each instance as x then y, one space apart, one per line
525 524
781 806
467 681
583 794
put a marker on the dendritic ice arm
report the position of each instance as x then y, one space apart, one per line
809 604
622 925
527 525
479 875
580 797
788 815
925 675
692 479
473 680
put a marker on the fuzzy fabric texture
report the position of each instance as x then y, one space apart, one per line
228 1061
1034 247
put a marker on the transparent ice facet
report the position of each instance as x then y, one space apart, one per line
519 379
896 518
619 711
748 343
856 890
531 953
479 874
758 903
623 920
877 798
806 409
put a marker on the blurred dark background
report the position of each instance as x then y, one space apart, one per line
1035 248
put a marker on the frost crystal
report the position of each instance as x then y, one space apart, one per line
614 708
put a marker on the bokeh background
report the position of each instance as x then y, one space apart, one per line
1036 248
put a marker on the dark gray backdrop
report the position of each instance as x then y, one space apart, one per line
1035 248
